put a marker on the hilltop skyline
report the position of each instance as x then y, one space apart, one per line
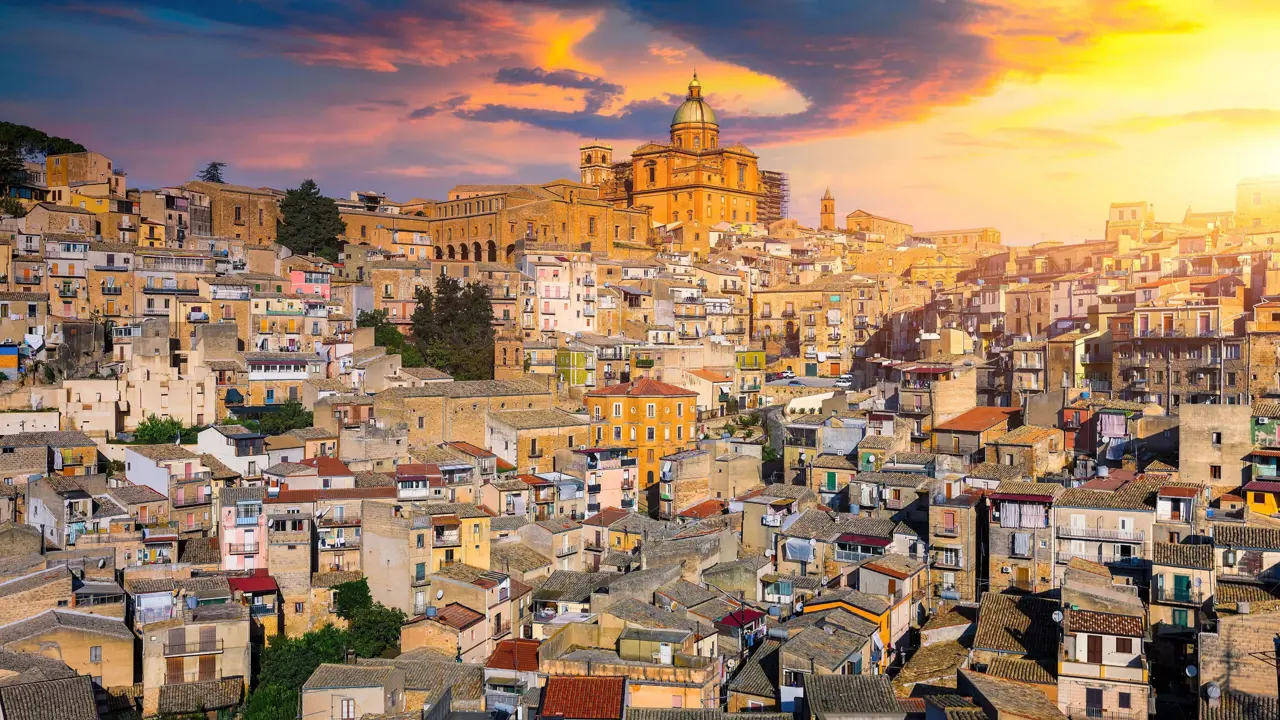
945 115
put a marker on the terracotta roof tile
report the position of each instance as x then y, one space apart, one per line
1090 621
588 698
519 655
644 387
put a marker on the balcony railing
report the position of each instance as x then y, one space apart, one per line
188 678
346 519
1101 558
954 559
566 550
596 545
944 531
1097 533
242 520
339 543
242 548
200 647
1178 596
447 539
501 629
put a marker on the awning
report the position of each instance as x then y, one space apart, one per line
856 539
1265 452
799 550
234 396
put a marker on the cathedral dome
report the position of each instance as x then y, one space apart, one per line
694 109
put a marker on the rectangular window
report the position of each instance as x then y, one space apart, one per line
651 410
299 608
1126 701
1215 472
95 654
650 434
1124 645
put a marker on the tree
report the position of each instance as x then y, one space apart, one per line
375 631
155 430
212 173
350 598
33 144
386 335
272 702
290 416
309 222
11 206
10 167
288 662
453 328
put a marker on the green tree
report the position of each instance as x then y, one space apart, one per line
212 173
33 144
388 336
352 597
10 167
453 328
272 702
290 416
309 221
155 430
11 206
375 631
288 662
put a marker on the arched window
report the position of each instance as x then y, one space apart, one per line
697 142
689 214
675 216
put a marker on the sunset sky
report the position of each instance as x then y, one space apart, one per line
1027 115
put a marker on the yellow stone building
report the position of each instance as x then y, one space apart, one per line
654 417
693 179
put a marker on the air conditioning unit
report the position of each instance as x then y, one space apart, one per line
1004 571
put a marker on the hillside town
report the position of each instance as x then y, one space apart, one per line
692 458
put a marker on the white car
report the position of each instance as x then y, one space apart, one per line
788 375
844 383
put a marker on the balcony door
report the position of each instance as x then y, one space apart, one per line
1095 656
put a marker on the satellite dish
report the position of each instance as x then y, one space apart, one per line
1192 671
1199 581
439 594
1213 691
1057 616
939 498
730 663
102 562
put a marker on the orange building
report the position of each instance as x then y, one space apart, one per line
654 417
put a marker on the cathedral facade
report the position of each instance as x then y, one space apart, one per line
692 180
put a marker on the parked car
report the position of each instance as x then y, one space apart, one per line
843 382
787 374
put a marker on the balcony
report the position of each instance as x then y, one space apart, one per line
594 545
1098 671
1178 596
944 531
287 312
501 630
243 548
197 316
112 290
593 489
29 279
1101 558
67 291
1097 533
951 560
344 520
446 539
243 520
850 556
1077 712
200 647
771 520
628 503
345 542
262 610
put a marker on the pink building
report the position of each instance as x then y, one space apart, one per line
313 281
243 539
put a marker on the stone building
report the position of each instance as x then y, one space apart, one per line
241 212
1021 527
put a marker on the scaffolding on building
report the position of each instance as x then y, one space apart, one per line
776 186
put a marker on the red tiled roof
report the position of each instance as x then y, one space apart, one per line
303 496
709 375
977 419
1267 486
606 517
704 509
739 617
644 387
504 466
327 466
588 698
458 617
259 582
468 448
1175 491
533 480
518 655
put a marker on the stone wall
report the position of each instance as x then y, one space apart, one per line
1241 656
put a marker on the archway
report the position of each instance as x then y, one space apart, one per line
493 251
475 252
511 252
439 253
462 250
450 252
792 339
